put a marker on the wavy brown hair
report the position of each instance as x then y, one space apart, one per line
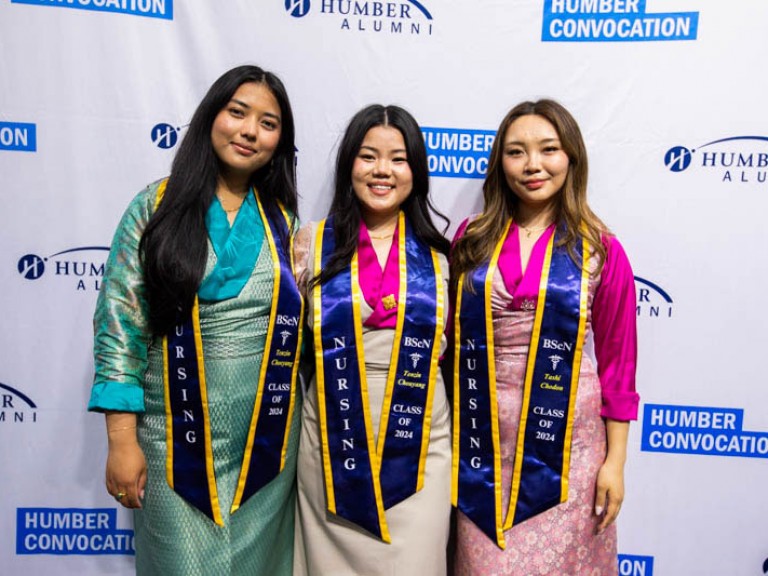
571 211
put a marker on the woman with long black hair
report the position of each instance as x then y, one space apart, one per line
374 458
197 334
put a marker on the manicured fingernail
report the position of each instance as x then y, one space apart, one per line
598 510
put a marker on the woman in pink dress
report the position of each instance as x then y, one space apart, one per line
544 361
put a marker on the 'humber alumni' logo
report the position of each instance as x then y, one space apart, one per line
165 136
394 17
652 300
86 269
16 407
297 8
741 159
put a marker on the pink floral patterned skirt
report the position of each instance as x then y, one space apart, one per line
562 540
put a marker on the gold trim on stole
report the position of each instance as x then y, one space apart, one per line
375 446
493 400
268 343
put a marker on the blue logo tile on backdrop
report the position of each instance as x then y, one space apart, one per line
458 152
71 531
18 136
614 21
703 430
149 8
630 565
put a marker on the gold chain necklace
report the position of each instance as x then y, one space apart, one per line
529 231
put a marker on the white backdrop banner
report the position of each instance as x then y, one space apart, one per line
670 95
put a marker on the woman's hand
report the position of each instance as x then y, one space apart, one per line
609 489
126 466
609 493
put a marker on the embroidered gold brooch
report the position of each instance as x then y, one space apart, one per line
389 302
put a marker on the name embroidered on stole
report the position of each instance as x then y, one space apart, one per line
542 459
189 466
364 476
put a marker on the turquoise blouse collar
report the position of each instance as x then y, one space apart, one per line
236 247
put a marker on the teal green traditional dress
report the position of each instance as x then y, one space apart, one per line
172 536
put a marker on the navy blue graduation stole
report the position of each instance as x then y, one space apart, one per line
365 476
190 466
542 460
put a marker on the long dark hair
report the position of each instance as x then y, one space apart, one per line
345 208
174 245
572 210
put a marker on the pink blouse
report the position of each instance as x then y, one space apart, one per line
376 283
613 314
